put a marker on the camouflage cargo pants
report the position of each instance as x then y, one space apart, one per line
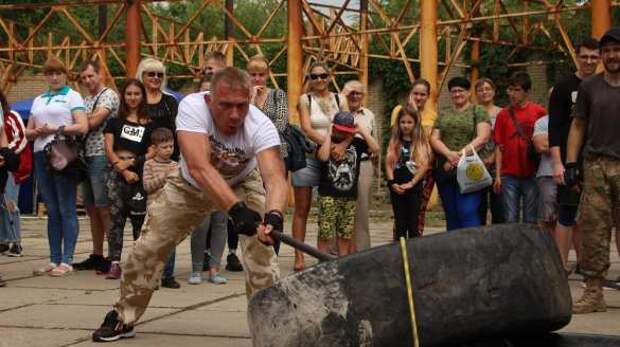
598 213
170 219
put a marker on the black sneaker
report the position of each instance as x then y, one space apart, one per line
4 247
205 262
102 265
15 251
611 285
170 283
233 263
88 264
578 270
112 329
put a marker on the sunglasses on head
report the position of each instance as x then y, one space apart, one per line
159 75
322 76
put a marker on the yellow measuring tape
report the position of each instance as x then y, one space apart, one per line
414 323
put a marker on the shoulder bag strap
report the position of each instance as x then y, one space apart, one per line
473 119
516 123
93 110
337 101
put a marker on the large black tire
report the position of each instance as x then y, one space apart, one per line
495 281
553 340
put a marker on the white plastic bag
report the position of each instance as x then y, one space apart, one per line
471 174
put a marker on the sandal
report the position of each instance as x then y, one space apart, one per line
61 270
44 270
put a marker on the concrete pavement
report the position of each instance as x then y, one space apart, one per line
46 311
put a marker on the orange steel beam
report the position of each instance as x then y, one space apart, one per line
364 47
601 17
295 58
229 32
429 51
132 38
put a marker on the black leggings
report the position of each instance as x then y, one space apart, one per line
491 201
406 209
120 210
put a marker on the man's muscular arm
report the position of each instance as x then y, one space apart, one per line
272 171
195 149
575 139
575 142
271 168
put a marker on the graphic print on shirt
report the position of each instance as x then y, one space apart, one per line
132 133
229 161
342 174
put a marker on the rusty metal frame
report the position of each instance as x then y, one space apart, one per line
324 32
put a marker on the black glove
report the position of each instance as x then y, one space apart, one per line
274 218
571 174
244 220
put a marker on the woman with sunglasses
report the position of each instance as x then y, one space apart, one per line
127 141
161 107
457 129
316 112
60 110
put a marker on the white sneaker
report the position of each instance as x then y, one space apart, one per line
195 278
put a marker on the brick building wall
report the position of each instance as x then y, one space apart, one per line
27 87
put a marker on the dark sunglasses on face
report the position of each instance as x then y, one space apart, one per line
159 75
322 76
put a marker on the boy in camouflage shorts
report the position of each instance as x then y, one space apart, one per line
338 183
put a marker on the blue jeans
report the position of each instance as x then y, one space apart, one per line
94 188
59 194
10 227
461 209
169 266
517 191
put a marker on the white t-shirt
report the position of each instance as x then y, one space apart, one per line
56 109
545 167
233 156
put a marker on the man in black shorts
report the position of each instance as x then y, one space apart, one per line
561 105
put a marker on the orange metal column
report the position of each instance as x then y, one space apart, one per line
229 32
132 37
428 50
364 47
295 58
601 17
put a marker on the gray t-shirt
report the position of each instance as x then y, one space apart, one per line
599 104
545 166
107 98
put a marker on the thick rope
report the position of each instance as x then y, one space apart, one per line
414 323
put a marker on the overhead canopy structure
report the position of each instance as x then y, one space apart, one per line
346 34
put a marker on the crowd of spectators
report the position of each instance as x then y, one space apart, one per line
129 147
